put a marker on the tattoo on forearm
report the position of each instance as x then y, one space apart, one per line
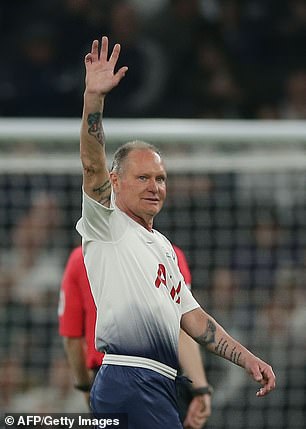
94 121
209 335
221 347
234 356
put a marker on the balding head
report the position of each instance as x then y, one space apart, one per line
123 151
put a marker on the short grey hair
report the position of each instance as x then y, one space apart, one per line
123 151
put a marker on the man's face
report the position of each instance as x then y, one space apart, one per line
140 187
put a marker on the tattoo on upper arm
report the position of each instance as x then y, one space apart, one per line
104 192
103 201
95 129
209 335
103 188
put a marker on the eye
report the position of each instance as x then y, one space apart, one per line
142 178
161 179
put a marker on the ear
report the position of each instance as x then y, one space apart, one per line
114 178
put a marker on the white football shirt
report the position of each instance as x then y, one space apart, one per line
137 287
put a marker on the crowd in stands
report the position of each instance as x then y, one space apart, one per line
191 59
247 258
186 58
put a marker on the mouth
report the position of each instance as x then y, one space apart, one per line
151 200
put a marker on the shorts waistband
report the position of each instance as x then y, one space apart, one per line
141 362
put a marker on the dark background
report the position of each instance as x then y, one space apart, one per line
186 58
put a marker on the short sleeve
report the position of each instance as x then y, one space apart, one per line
95 221
100 223
188 302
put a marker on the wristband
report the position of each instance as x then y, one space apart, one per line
83 387
205 390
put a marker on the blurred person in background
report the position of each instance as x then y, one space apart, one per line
139 93
31 269
267 247
282 320
215 88
55 395
34 264
175 28
77 318
38 74
12 381
255 38
293 103
290 34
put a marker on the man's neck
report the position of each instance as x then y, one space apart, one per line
146 221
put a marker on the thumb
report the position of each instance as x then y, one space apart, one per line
255 373
122 71
258 377
120 74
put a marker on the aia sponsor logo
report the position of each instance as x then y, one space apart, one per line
161 279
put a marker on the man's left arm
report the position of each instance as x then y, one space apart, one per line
190 360
205 330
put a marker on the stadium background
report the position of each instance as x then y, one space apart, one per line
242 226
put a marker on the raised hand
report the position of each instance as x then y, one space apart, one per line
100 70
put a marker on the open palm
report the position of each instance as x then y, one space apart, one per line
100 71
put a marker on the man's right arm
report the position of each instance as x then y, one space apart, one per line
100 79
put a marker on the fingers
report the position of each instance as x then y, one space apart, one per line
261 372
115 55
263 391
197 413
267 379
194 423
88 58
100 71
95 50
94 54
104 49
120 74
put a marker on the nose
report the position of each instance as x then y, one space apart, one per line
153 185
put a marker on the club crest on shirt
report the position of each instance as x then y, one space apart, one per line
170 254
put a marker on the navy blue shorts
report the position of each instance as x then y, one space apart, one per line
147 397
